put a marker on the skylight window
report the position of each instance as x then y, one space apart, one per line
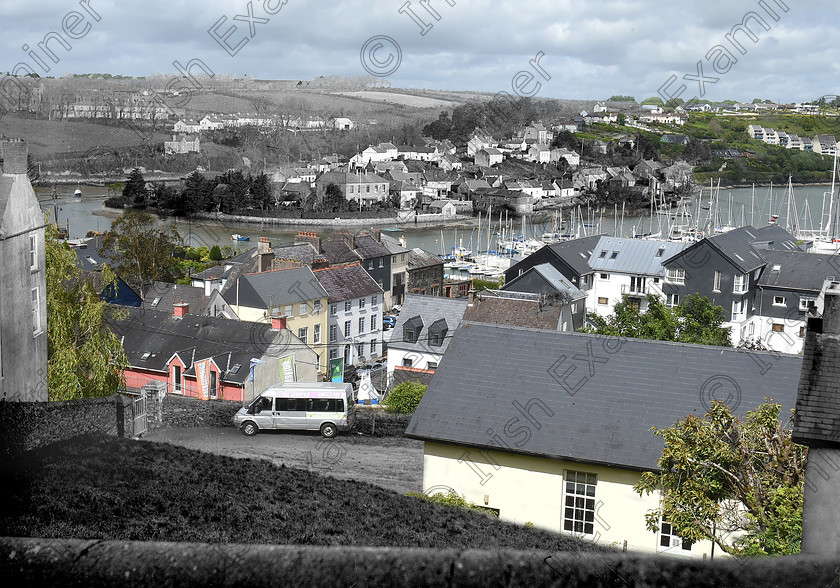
603 254
777 268
235 368
145 356
739 257
660 252
155 302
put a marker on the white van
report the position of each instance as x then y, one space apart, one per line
327 407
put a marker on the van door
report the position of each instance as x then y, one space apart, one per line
323 410
290 413
262 413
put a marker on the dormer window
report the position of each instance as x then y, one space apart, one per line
437 332
412 329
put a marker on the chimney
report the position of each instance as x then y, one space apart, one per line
311 238
403 242
817 425
181 309
471 297
14 154
278 322
265 255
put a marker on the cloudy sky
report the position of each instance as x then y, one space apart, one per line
591 49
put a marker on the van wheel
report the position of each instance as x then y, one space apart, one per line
328 430
250 429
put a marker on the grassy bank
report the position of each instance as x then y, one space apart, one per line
103 488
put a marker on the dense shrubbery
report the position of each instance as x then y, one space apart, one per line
452 499
405 398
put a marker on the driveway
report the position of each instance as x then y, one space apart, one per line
393 463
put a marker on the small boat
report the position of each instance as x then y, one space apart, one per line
238 237
77 193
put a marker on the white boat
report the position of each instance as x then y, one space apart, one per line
77 193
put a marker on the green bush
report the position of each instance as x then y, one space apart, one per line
405 398
215 253
452 499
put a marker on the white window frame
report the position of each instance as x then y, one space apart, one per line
717 282
779 301
672 300
348 305
577 497
676 544
740 314
333 309
37 326
290 310
303 335
361 303
740 280
316 333
333 333
361 325
33 252
348 326
675 275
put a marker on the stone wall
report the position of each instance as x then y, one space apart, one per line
375 421
28 425
73 562
185 412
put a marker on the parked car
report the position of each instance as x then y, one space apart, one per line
351 375
389 321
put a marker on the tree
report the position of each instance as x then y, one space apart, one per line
333 198
215 253
719 475
135 188
85 358
140 251
653 100
621 119
693 321
405 398
621 98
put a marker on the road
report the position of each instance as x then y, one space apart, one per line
392 463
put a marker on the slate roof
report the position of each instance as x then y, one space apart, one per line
798 270
338 252
576 252
167 295
817 418
742 246
346 282
212 273
429 309
369 248
418 258
195 338
302 252
519 309
392 245
552 277
594 397
634 256
275 288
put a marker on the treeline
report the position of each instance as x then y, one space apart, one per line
232 192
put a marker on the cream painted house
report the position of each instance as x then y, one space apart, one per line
293 293
553 428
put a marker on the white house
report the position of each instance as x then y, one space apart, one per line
539 153
422 335
354 316
187 125
631 267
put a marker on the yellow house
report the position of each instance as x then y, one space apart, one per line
553 428
292 293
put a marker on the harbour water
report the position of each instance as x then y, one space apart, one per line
732 207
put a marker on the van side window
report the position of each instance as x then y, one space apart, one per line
262 404
280 404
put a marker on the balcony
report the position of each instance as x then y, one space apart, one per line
634 290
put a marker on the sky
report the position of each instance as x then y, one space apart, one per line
589 50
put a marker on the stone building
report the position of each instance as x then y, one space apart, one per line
23 287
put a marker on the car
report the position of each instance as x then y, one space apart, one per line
389 321
351 375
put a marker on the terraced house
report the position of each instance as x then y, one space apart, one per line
294 296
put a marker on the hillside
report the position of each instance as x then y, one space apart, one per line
107 488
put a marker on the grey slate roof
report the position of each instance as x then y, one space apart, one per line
302 252
338 252
167 295
418 258
194 338
368 248
634 256
429 309
798 270
520 309
275 288
576 252
743 246
212 273
392 245
595 398
346 282
552 277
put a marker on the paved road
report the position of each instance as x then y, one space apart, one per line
392 463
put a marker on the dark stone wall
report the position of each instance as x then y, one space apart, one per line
27 425
70 562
